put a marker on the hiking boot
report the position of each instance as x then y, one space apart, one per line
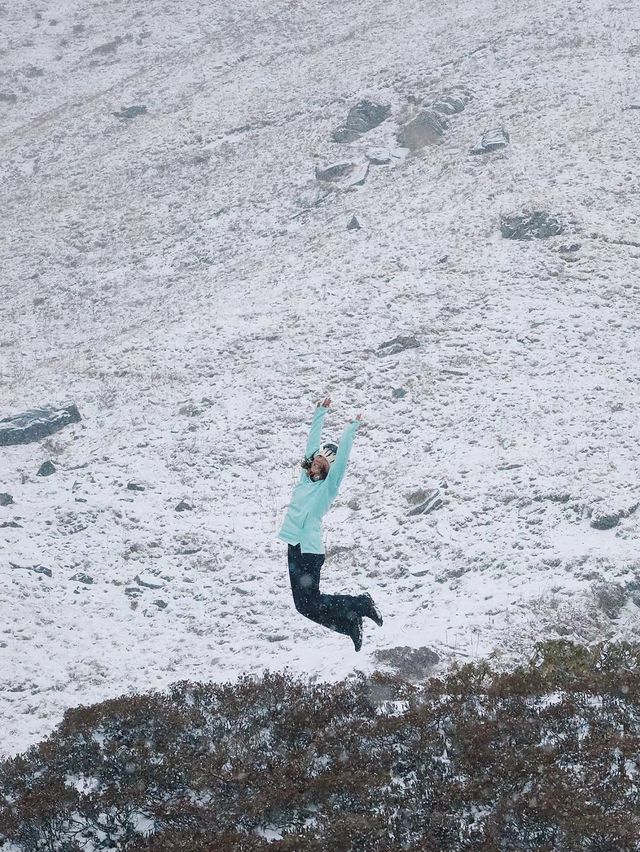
371 610
356 633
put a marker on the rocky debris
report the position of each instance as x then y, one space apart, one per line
245 592
35 424
133 591
183 506
398 393
353 224
312 195
433 500
569 248
36 569
491 140
5 499
605 522
537 225
426 128
378 156
8 98
10 524
46 469
82 578
409 663
354 504
134 486
127 113
344 174
149 581
610 597
160 603
398 344
191 409
609 520
362 117
452 102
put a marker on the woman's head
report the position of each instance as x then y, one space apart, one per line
319 464
319 467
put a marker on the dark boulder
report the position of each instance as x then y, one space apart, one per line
491 140
398 344
35 424
5 499
127 113
46 469
426 128
353 224
364 116
530 226
344 174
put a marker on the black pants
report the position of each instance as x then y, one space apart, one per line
337 612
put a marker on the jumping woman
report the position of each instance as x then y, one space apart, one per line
323 468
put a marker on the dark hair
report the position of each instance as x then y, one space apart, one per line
305 464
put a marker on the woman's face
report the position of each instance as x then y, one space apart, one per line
319 467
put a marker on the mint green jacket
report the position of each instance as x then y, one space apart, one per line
311 500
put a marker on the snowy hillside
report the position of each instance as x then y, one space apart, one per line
172 265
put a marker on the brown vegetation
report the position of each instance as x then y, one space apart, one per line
541 758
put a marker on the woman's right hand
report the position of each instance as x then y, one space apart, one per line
326 402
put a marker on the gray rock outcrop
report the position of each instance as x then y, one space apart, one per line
537 225
364 116
35 424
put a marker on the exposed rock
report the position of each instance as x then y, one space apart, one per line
409 663
183 506
8 98
378 156
344 174
398 393
426 128
160 603
5 499
132 591
398 344
133 486
610 597
82 578
312 195
491 140
35 424
353 224
36 569
450 104
149 581
433 500
530 226
364 116
10 524
605 522
127 113
570 248
46 469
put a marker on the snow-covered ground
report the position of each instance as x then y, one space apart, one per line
160 271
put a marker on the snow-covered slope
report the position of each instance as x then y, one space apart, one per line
159 269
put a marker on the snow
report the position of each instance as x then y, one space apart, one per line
152 262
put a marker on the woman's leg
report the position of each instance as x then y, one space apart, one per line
337 612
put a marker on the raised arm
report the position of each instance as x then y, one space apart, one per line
313 441
338 468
